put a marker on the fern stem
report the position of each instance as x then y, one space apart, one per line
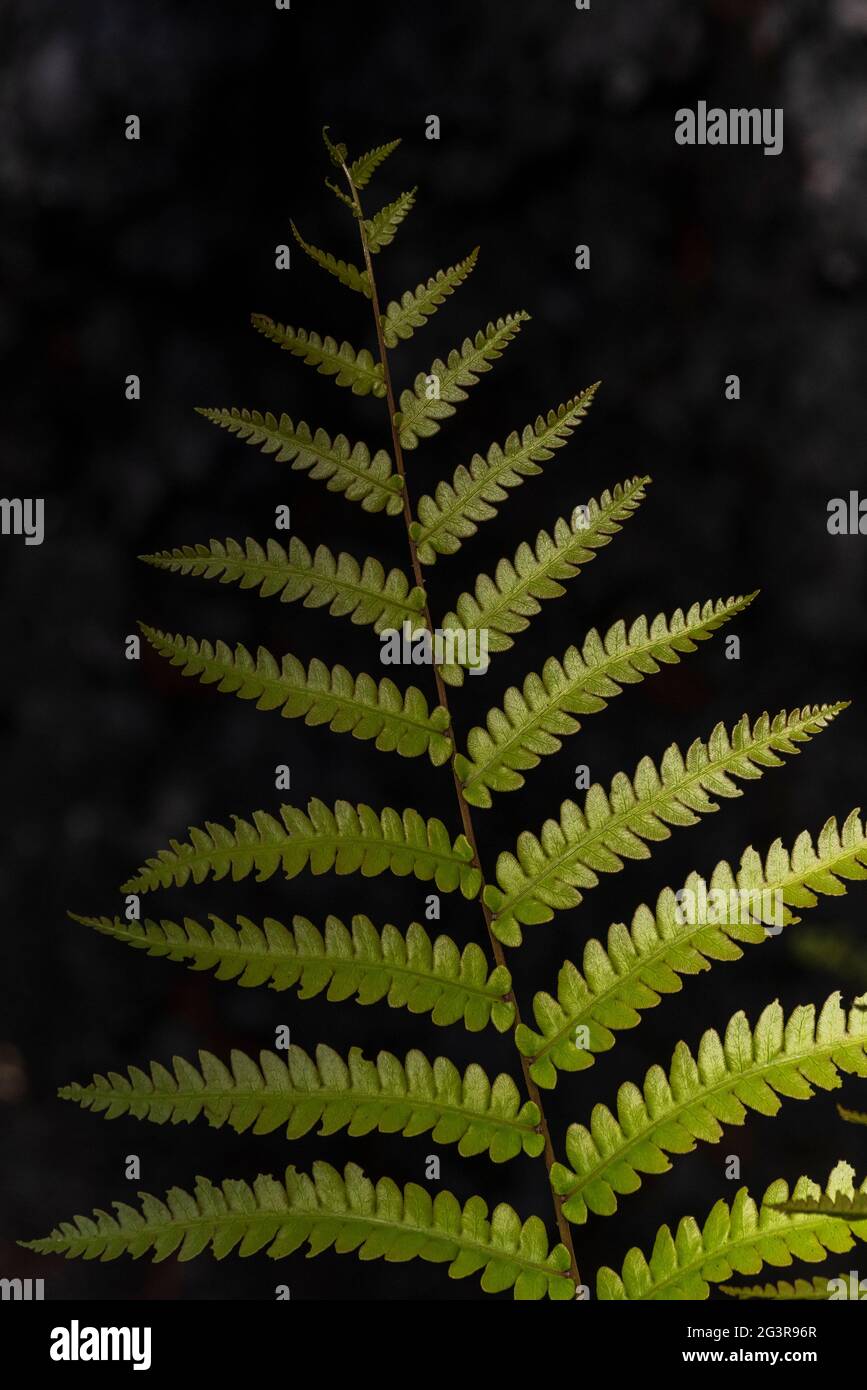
563 1225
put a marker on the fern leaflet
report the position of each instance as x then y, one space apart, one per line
347 469
547 874
363 592
356 370
450 517
297 1093
361 170
673 939
327 1210
382 228
401 319
505 604
348 839
842 1206
338 154
399 721
852 1117
739 1239
347 273
421 411
339 193
750 1069
407 970
782 1291
533 721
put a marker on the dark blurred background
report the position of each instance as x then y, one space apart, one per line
147 257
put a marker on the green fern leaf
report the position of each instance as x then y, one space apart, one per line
418 417
782 1291
356 370
449 518
297 1092
645 962
362 169
400 320
739 1239
408 971
381 228
547 874
400 721
505 604
363 592
532 722
328 1210
347 840
345 468
750 1069
347 273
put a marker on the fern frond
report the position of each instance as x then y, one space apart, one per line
399 721
400 320
347 840
347 1212
740 1239
450 517
418 417
381 228
505 604
547 874
750 1069
356 370
645 962
347 273
852 1117
407 971
346 468
362 169
532 722
299 1092
363 592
